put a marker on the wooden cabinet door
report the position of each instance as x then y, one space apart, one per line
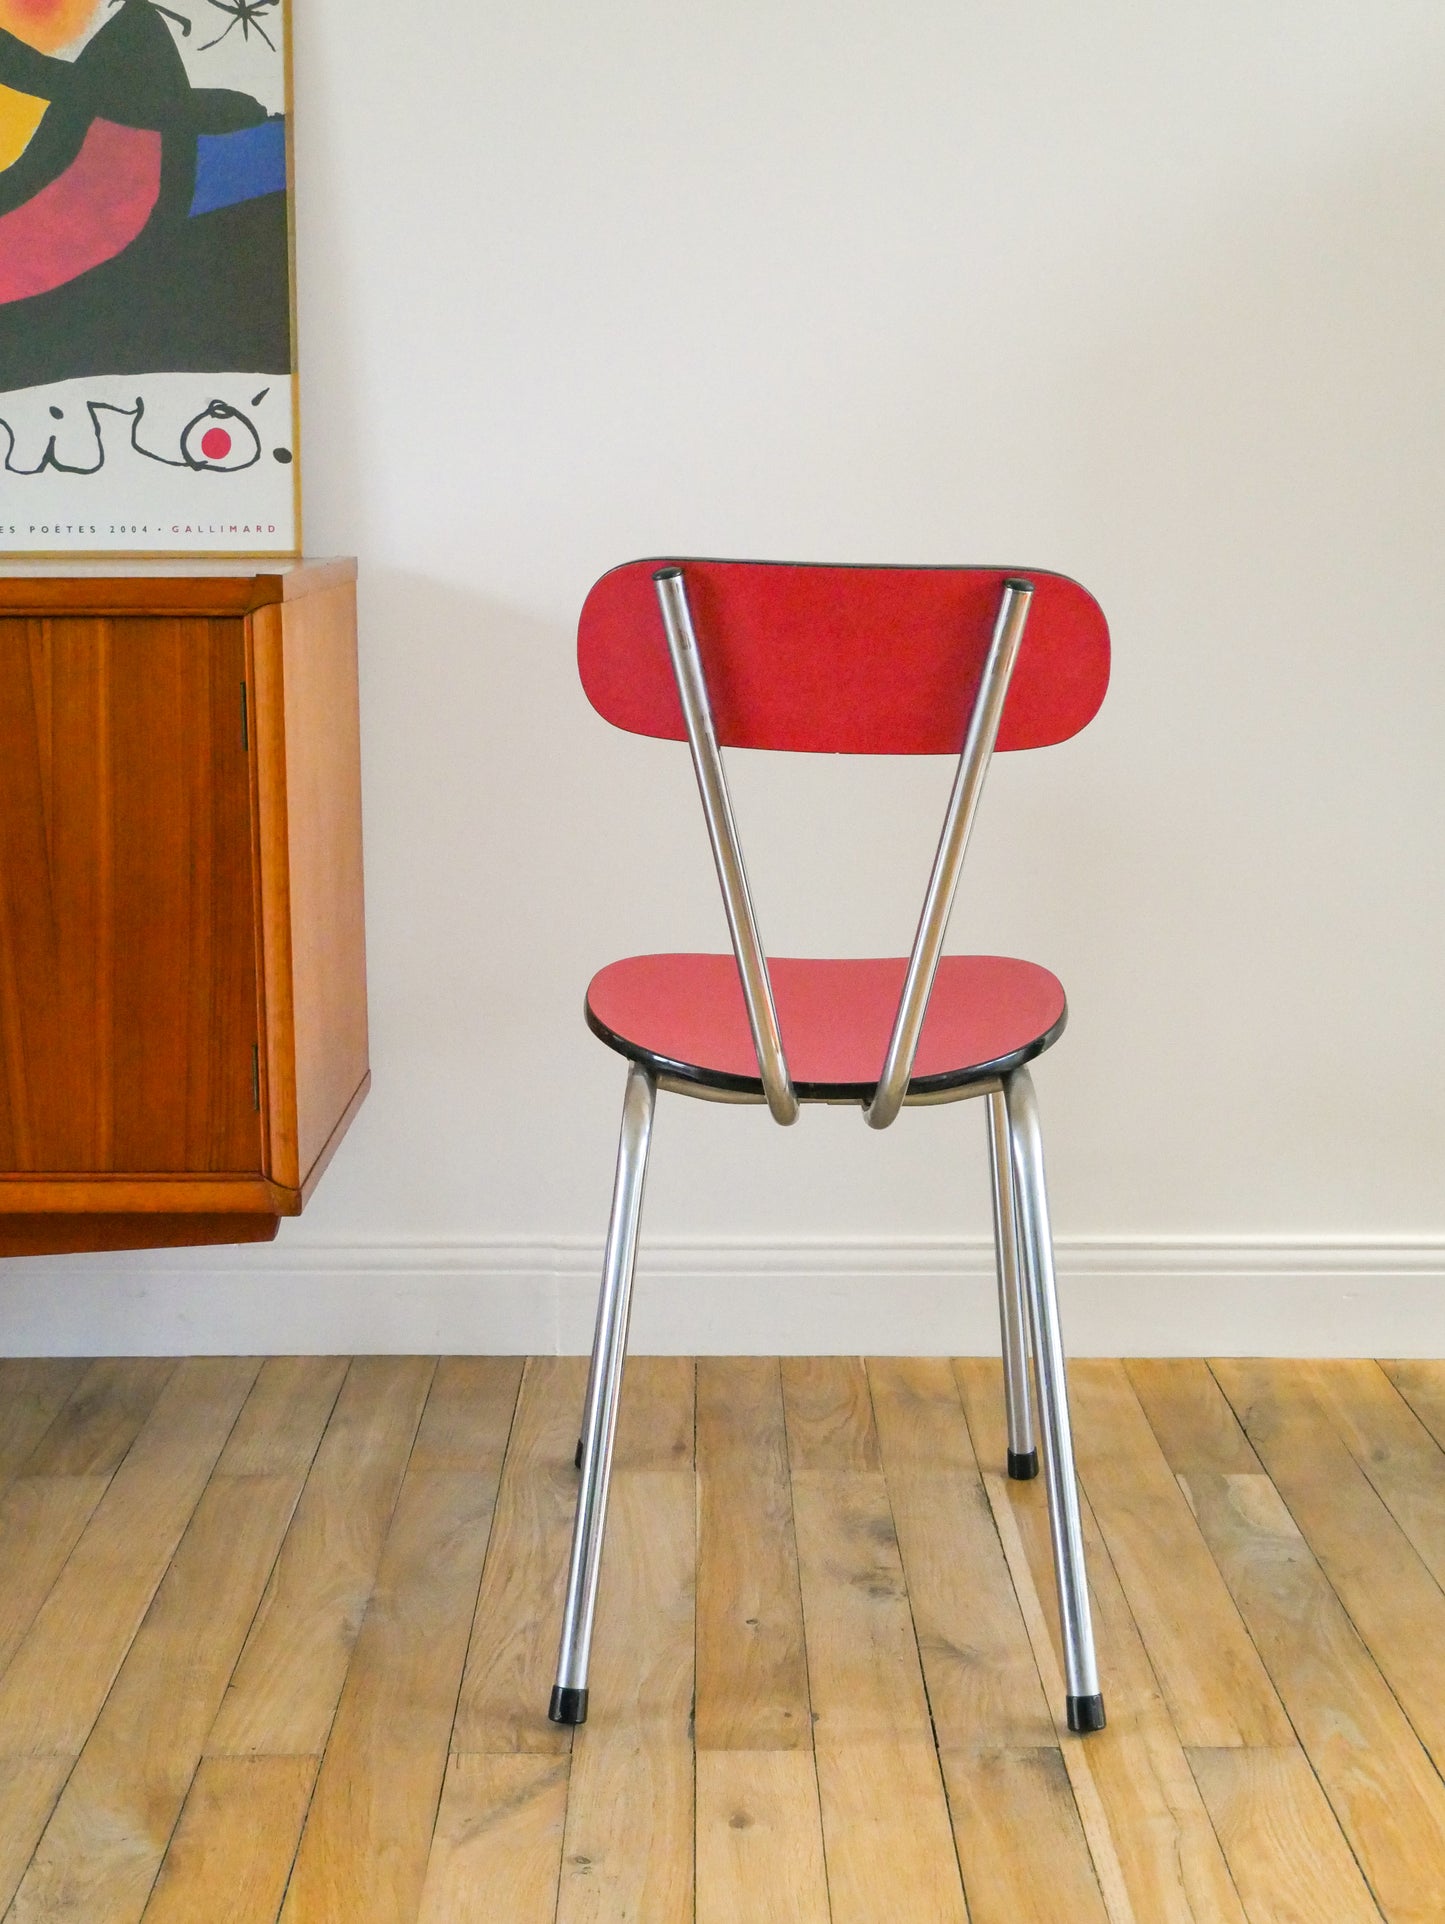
129 1018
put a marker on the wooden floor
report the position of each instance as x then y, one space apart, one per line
276 1641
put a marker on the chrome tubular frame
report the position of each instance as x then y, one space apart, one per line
1085 1704
948 861
1023 1455
599 1422
726 850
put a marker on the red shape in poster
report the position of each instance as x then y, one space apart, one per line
215 444
85 216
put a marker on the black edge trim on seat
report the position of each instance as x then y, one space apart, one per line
860 1092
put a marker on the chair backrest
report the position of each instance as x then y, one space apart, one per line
843 660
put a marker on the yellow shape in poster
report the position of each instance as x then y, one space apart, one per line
20 115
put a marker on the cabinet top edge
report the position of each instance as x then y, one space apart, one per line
231 586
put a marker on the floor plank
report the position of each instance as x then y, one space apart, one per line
57 1681
368 1834
231 1853
1155 1853
1392 1599
657 1420
1422 1384
1196 1428
364 1849
1020 1842
283 1695
103 1846
512 1657
628 1851
497 1852
285 1415
826 1681
759 1839
103 1417
33 1391
1209 1671
41 1520
1393 1448
752 1676
1289 1859
983 1683
1191 1418
1389 1801
29 1787
830 1415
890 1849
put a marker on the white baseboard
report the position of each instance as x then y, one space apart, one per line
1300 1296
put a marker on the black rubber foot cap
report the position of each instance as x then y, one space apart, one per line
577 1459
1023 1465
1085 1714
570 1706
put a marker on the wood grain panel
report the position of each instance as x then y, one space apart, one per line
752 1676
128 992
313 926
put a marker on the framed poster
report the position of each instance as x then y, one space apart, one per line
147 372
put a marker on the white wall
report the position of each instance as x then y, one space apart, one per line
1150 295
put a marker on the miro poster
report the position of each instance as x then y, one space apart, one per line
147 386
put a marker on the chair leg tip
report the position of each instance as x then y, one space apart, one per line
569 1706
577 1459
1023 1465
1085 1714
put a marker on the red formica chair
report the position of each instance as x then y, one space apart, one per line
851 661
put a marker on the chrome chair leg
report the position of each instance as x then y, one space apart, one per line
599 1421
1085 1703
1023 1455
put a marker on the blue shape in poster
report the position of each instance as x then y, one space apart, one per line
241 166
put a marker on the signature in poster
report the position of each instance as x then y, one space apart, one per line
221 439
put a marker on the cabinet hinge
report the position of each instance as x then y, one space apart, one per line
245 723
255 1075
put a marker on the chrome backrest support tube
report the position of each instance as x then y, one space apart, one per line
726 850
973 763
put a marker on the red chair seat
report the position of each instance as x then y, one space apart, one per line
684 1015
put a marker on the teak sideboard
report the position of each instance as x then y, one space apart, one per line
182 952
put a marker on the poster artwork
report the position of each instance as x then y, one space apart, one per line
147 393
